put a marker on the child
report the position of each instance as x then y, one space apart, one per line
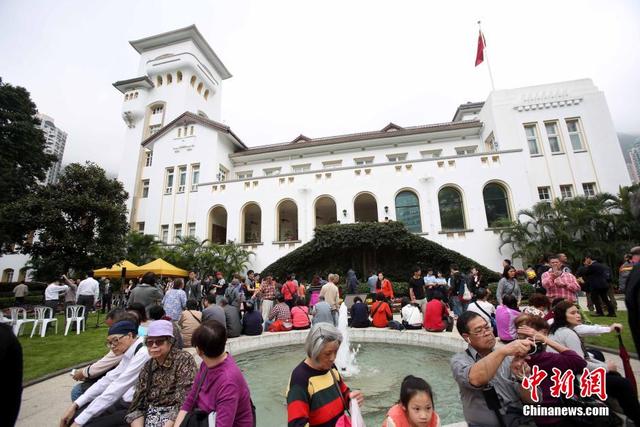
415 408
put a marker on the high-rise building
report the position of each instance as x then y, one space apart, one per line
56 140
634 156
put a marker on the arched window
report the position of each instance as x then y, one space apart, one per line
287 221
218 225
135 95
408 211
7 275
126 97
179 132
326 212
252 224
496 203
206 94
200 86
169 78
159 81
193 80
451 209
178 76
365 208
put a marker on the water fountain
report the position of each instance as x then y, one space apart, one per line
346 357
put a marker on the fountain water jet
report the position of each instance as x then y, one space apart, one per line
346 357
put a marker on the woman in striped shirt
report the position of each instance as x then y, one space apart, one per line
317 395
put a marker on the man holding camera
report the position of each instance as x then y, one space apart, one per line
488 378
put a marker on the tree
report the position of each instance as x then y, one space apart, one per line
23 162
205 257
602 226
80 222
142 248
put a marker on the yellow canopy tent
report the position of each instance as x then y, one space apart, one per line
161 267
116 270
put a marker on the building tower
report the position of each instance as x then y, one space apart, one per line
178 72
56 140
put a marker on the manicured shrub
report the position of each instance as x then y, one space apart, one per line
368 247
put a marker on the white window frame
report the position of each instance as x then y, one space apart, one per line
244 175
578 132
164 233
535 137
272 171
148 160
182 178
168 181
144 192
154 129
222 173
157 109
195 177
555 135
191 229
396 157
363 161
301 168
566 191
589 189
462 151
140 227
331 164
177 232
431 154
541 191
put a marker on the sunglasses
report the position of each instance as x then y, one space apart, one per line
155 342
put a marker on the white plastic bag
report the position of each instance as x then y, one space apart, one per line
356 415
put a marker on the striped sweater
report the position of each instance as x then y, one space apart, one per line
313 399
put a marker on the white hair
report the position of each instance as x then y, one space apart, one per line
319 335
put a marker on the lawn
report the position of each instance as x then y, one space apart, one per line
610 340
54 352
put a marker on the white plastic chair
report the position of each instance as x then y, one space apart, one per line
44 316
74 313
3 319
19 318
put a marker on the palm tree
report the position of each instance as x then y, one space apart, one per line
142 248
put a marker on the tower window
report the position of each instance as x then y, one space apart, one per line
200 86
159 81
193 80
148 159
178 76
169 79
206 94
157 109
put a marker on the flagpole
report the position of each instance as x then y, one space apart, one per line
486 56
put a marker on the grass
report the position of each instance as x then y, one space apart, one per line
54 352
610 340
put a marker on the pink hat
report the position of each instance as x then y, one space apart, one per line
160 328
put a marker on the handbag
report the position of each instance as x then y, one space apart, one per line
196 417
466 295
345 419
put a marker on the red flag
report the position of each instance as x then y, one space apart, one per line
481 46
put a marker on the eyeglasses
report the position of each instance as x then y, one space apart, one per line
155 342
114 342
481 332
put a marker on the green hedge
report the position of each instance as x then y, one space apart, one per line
366 247
7 302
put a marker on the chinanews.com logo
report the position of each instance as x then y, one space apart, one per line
592 384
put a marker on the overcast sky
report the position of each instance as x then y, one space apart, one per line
318 68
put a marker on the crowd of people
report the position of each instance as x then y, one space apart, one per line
146 378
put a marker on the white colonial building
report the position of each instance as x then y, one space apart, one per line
188 174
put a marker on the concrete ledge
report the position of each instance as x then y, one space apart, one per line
441 340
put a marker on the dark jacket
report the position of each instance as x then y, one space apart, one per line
595 276
146 294
193 288
252 323
360 315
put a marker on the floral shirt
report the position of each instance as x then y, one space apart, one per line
170 383
280 311
174 302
